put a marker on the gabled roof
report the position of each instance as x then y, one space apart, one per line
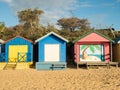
51 34
1 41
109 39
19 37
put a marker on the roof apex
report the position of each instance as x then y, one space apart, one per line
93 31
16 37
50 34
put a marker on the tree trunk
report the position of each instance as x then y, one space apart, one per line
84 53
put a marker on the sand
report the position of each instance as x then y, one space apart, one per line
69 79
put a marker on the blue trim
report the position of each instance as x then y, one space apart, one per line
2 57
51 39
6 52
19 41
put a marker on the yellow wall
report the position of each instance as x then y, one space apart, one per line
14 50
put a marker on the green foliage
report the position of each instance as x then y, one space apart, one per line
92 47
30 28
73 24
2 27
30 18
107 32
117 33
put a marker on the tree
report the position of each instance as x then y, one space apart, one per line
73 24
30 18
2 26
50 28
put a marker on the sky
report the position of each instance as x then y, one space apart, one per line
100 13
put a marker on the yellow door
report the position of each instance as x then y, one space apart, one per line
14 50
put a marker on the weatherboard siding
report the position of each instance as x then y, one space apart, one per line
77 52
19 41
107 52
93 37
51 39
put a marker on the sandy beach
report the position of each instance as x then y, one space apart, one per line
69 79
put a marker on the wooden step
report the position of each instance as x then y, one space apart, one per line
24 65
2 65
10 66
90 63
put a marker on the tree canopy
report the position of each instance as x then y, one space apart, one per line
30 18
73 23
29 27
2 26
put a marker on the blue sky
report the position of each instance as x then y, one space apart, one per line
100 13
